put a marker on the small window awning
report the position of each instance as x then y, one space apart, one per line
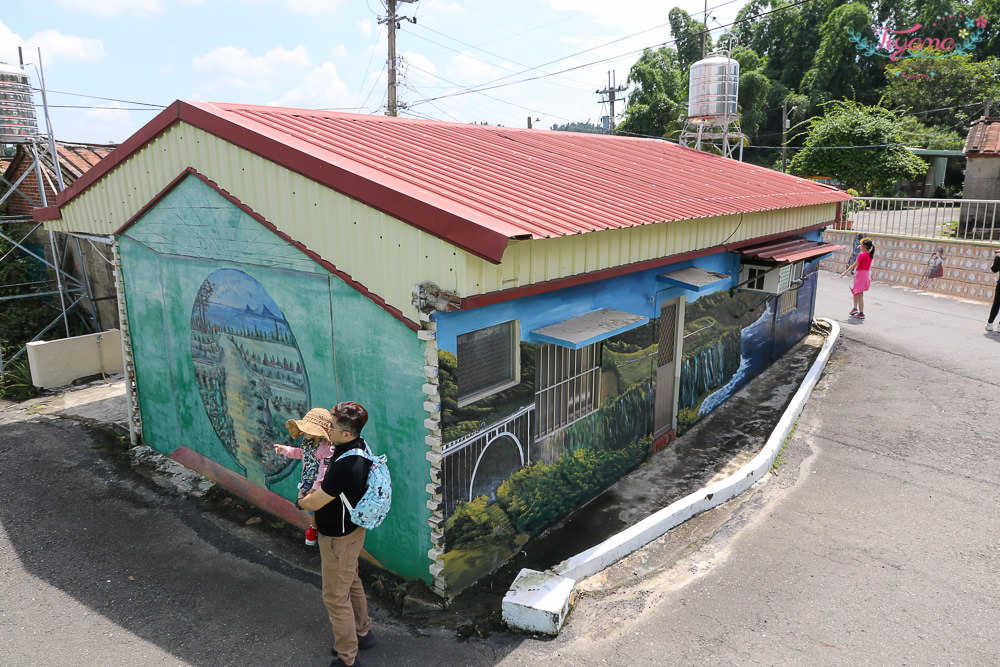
693 278
589 328
791 249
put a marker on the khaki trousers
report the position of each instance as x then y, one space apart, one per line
343 594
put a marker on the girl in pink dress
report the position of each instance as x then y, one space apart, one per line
862 276
315 452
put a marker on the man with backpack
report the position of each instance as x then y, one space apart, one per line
340 539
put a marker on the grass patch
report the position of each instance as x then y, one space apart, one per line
779 460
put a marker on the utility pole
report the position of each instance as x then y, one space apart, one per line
612 98
785 123
704 30
391 21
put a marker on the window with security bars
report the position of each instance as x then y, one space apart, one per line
567 385
488 361
789 299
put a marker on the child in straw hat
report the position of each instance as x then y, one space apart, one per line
314 452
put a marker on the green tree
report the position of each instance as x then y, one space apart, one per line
919 135
579 127
658 95
944 91
860 146
754 89
688 34
836 71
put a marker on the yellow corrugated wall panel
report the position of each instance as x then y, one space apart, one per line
382 253
386 255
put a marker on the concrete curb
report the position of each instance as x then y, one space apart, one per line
538 602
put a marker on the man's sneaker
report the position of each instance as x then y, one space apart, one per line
860 316
368 641
989 326
311 536
337 662
854 311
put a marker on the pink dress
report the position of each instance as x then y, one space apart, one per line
862 273
314 462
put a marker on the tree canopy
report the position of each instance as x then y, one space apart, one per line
860 146
806 55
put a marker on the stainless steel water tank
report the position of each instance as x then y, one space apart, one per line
713 89
17 105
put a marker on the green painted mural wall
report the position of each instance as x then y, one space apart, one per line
351 349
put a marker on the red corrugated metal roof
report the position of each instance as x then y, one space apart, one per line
479 186
790 249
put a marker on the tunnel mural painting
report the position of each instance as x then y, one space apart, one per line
249 371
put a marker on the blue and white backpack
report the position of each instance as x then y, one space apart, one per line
374 504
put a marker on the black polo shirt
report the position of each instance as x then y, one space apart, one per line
350 476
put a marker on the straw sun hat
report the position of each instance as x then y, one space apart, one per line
314 423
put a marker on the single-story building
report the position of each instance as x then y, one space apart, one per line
526 314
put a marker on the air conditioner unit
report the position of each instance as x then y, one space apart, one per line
770 278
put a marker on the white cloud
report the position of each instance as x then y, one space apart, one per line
313 6
235 66
469 70
53 43
9 41
367 27
322 88
113 7
108 124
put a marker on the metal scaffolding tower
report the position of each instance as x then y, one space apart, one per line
19 129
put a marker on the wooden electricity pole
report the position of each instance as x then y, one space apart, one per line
391 21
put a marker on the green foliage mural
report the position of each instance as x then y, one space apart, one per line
471 418
480 534
569 467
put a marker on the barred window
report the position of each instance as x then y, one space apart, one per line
787 302
789 299
488 361
568 385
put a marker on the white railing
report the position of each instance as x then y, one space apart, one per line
961 219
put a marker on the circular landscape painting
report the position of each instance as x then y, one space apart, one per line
249 370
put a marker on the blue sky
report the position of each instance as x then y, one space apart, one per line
541 58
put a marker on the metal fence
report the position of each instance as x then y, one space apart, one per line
946 219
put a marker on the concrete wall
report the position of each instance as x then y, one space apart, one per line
56 363
982 178
905 262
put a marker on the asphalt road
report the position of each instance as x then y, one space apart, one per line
877 542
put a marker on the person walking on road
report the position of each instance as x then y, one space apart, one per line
995 308
340 540
862 276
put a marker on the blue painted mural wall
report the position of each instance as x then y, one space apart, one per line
730 338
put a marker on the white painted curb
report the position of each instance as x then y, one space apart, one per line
520 615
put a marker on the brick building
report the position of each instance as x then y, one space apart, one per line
88 260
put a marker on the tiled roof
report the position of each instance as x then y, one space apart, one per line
75 159
984 138
480 186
